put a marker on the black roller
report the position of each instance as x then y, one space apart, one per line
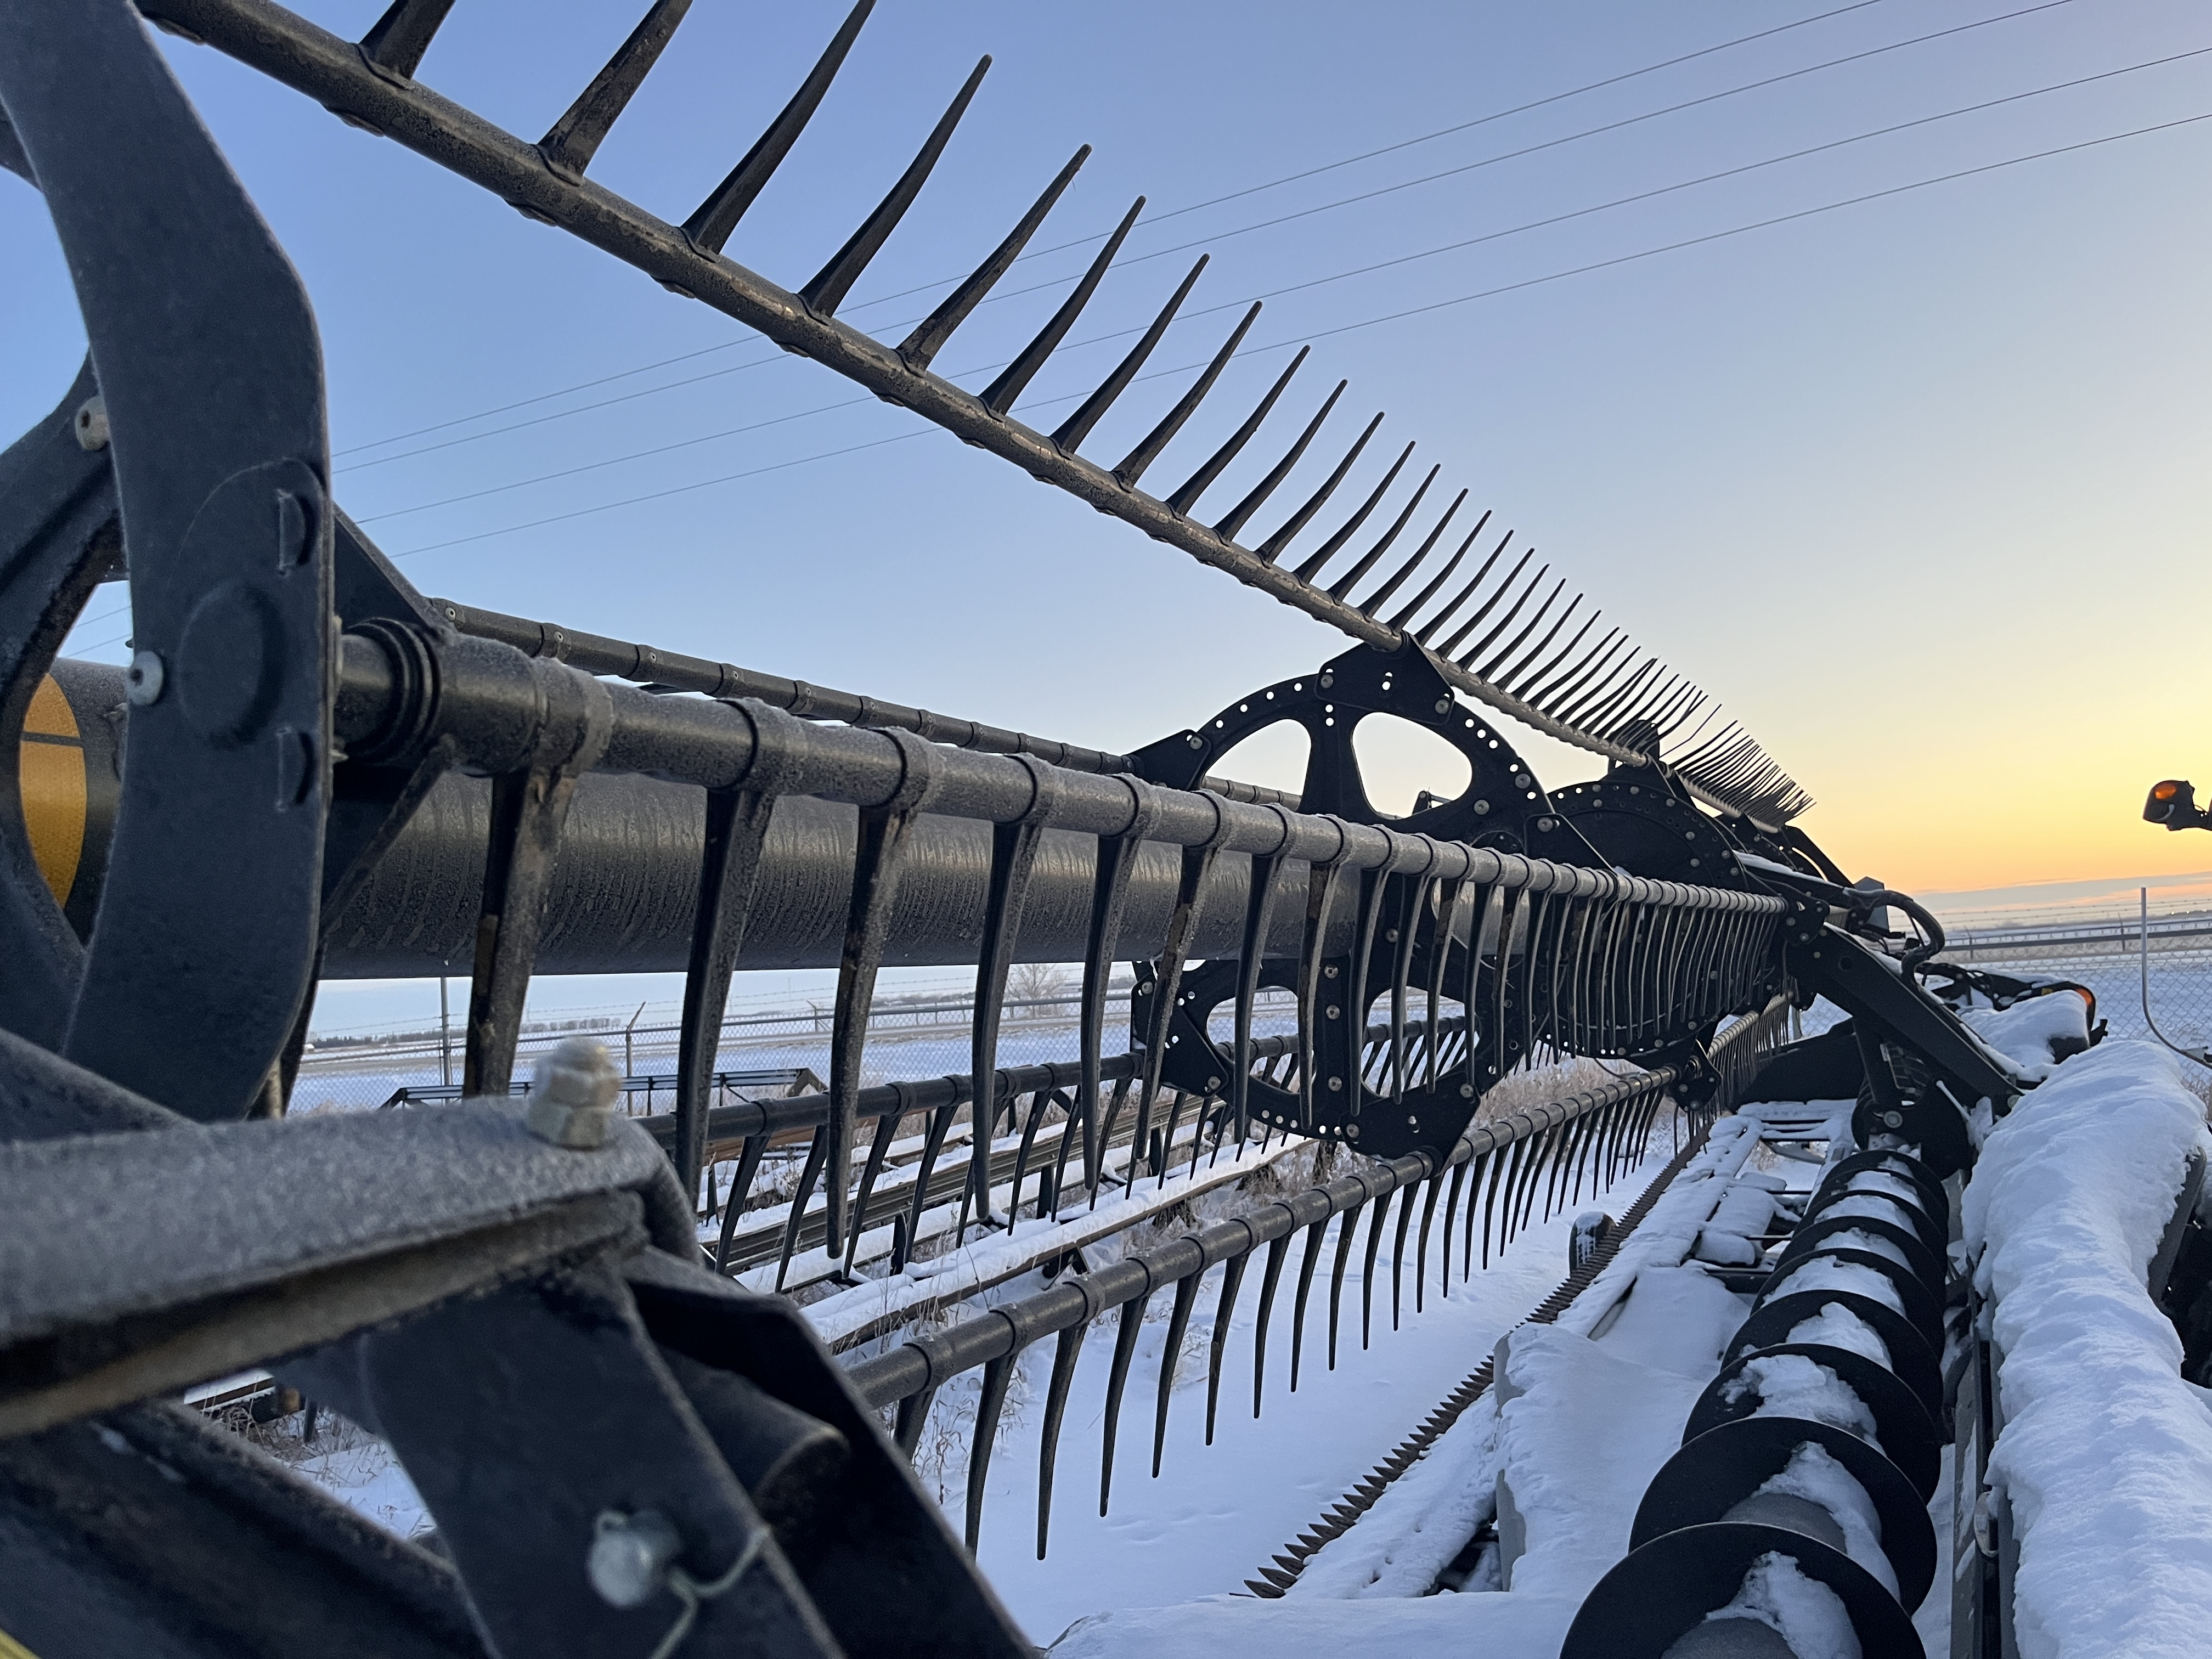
1909 1356
1664 1590
1721 1467
1925 1226
1921 1306
1808 1237
1901 1165
1908 1435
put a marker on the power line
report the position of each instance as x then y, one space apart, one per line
1341 276
1216 200
1532 149
1412 310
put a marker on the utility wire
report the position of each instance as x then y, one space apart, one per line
2048 5
1346 328
1319 281
1370 322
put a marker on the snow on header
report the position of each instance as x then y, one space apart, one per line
2105 1455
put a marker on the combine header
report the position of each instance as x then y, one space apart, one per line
309 770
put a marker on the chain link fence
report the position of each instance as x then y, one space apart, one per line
761 1056
2151 972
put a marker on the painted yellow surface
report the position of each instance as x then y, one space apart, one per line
11 1649
51 759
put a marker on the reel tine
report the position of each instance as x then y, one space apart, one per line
1398 1258
1063 1358
1505 622
1307 1262
1373 554
816 1154
1489 670
1259 912
1070 1130
1323 881
919 349
1382 595
940 1124
988 1407
1490 1200
1233 1279
835 280
1435 584
1594 711
1186 1297
1451 1215
1345 1235
1227 528
1447 906
749 1162
1525 678
1038 1102
1572 680
1593 682
1165 1155
879 1148
1014 861
1375 1218
729 877
1421 1249
1186 497
881 843
1271 549
913 1415
1279 1251
1328 550
1505 668
713 220
1014 379
396 41
1167 984
1137 460
1129 1328
1077 427
570 142
1474 1174
1435 624
527 811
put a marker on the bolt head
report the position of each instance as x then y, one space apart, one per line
1195 741
91 425
1336 1083
1466 1092
1892 1120
629 1557
572 1104
143 680
1443 705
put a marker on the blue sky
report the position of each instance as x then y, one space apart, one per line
1914 486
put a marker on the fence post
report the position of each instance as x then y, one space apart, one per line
444 1035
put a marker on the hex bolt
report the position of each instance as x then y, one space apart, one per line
573 1102
630 1554
142 681
91 425
1892 1120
